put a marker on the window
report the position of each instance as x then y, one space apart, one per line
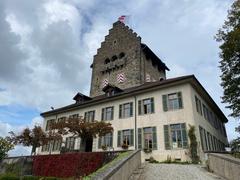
147 138
198 105
107 113
106 140
107 61
126 110
114 58
172 101
175 136
74 116
70 142
125 137
205 112
121 55
146 106
56 145
49 123
202 138
89 116
45 147
61 119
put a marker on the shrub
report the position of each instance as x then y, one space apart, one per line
13 168
67 165
152 160
9 177
193 145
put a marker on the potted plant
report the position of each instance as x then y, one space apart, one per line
104 147
125 146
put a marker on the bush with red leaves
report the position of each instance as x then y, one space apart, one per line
67 165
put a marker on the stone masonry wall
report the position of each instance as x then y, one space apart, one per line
120 39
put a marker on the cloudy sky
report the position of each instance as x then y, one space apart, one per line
46 48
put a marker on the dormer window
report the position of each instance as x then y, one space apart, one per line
81 98
111 90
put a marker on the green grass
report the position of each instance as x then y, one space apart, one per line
106 166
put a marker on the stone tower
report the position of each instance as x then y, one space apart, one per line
123 61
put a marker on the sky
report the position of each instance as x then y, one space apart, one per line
47 47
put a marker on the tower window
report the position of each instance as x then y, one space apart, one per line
121 55
107 61
114 58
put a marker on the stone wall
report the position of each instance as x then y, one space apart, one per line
123 169
120 39
224 165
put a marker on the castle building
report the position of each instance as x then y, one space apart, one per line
148 111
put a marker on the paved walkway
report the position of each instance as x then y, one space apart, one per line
150 171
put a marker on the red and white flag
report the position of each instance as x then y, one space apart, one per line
124 19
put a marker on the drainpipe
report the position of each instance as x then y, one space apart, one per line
135 114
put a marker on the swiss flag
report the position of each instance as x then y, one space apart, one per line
122 18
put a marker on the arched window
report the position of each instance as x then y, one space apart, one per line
107 61
114 58
121 55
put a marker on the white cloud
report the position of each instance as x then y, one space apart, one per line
47 46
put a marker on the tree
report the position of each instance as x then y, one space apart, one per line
193 145
78 127
229 36
235 145
5 146
35 137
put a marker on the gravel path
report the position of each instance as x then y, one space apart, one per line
173 172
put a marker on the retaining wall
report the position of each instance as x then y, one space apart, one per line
123 169
224 165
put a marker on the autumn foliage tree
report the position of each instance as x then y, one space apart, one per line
35 137
78 127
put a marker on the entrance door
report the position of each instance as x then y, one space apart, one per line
88 147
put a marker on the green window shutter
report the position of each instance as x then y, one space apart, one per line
99 142
164 101
154 131
120 111
112 113
166 137
93 115
184 135
180 100
111 142
139 138
85 116
152 105
119 138
200 106
139 107
132 137
103 109
131 109
196 102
